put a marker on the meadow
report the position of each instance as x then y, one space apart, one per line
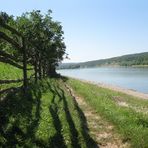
48 115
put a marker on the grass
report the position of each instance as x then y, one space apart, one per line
132 125
46 117
8 72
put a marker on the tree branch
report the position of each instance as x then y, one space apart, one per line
8 39
8 61
10 28
5 54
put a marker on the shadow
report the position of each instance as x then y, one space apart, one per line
20 117
143 123
59 76
84 127
17 120
57 140
72 128
73 131
89 142
10 81
8 90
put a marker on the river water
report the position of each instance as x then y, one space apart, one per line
130 78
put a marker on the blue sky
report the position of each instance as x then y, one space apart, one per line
94 29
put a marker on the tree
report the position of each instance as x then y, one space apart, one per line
35 40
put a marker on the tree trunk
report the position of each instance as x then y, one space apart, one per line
24 65
44 67
36 73
40 68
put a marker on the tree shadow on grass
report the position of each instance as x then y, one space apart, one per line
72 128
4 92
84 128
89 142
17 119
57 140
20 116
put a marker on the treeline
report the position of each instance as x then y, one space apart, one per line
32 41
140 59
130 60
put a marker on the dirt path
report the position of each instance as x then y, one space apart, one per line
102 131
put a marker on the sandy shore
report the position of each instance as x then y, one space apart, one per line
117 88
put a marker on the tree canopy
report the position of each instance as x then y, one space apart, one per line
32 39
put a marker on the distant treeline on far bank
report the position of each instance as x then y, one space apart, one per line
134 60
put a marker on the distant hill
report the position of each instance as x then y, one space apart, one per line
138 59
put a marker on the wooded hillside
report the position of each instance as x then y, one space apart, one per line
139 59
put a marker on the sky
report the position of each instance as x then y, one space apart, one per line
93 29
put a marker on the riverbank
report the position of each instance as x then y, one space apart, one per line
130 78
128 114
116 88
124 90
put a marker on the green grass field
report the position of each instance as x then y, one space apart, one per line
8 72
128 120
48 116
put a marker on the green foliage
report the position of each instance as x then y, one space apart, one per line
46 38
34 38
140 59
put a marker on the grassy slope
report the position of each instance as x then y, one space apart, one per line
46 117
131 124
8 72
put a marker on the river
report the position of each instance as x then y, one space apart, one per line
126 77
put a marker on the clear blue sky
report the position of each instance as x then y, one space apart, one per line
94 29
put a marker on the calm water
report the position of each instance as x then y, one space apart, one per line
131 78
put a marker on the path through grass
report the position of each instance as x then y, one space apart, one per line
132 125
